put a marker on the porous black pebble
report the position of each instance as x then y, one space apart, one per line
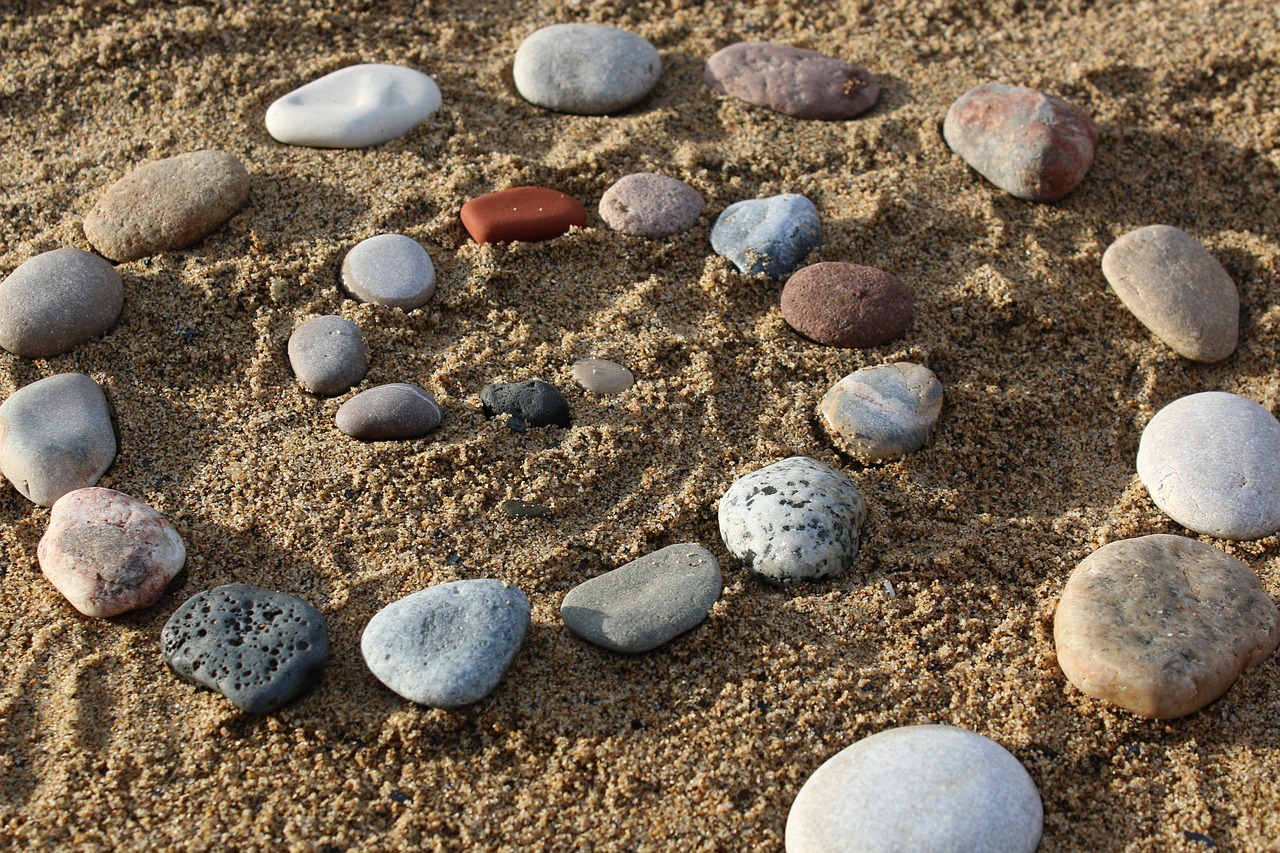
260 649
533 401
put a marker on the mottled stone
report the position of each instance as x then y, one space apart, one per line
601 376
1162 625
846 305
792 80
588 69
391 270
398 410
649 205
883 412
354 107
526 214
1177 290
533 401
328 355
56 301
767 235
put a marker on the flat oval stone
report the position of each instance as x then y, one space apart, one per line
1029 144
649 205
354 107
56 301
792 80
883 412
794 520
1162 625
926 788
391 270
846 305
328 355
398 410
167 204
527 214
56 437
1177 290
447 645
588 69
601 376
1211 462
533 401
767 235
260 649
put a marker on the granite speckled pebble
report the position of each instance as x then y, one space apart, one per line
57 300
792 80
588 69
883 412
846 305
391 270
767 235
328 355
354 107
534 402
649 205
397 410
601 376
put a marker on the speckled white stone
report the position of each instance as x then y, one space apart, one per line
391 270
354 107
883 412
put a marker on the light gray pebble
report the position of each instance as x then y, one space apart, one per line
328 355
649 205
767 235
883 412
398 410
391 270
588 69
56 301
601 376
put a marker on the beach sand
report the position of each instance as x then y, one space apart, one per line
702 744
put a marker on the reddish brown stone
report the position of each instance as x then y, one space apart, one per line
846 305
528 214
792 80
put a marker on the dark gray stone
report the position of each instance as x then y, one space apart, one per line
328 355
56 301
399 410
533 401
767 235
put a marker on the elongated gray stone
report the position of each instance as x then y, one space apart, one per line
767 235
56 301
883 412
328 354
398 410
589 69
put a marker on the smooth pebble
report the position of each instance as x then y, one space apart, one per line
649 205
846 305
601 376
533 401
883 412
526 214
328 355
588 69
398 410
57 300
391 270
354 107
791 80
767 235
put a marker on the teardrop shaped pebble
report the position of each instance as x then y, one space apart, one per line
399 410
354 107
588 69
391 270
328 355
793 81
58 300
767 235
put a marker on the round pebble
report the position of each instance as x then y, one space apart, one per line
526 214
391 270
791 80
354 107
1211 462
56 301
794 520
328 355
1177 290
1162 625
167 204
883 412
601 376
588 69
260 649
649 205
109 553
767 235
399 410
846 305
447 645
533 401
918 788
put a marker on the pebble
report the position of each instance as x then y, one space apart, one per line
1162 625
846 305
328 355
260 649
167 204
527 214
601 376
391 270
767 235
399 410
649 205
798 519
587 69
1177 290
524 509
1029 144
109 553
533 401
647 602
354 107
56 301
56 437
883 412
1211 462
791 80
924 788
447 645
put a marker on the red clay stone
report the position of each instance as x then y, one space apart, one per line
846 305
527 214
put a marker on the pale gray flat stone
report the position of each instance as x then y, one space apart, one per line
601 376
391 270
588 69
883 412
328 355
58 300
354 107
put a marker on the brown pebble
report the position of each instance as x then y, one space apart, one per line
846 305
791 80
527 214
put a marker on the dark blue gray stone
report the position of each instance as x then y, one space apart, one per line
533 401
768 235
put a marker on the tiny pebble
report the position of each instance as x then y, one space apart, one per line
526 214
523 509
57 300
391 270
791 80
649 205
883 412
846 305
767 235
354 107
398 410
601 376
533 401
328 355
588 69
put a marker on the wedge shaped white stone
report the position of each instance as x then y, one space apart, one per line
354 107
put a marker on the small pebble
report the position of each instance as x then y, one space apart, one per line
647 602
523 509
883 412
109 553
399 410
527 214
328 355
260 649
794 520
1177 290
167 204
791 80
56 437
56 301
767 235
601 376
533 401
1211 462
918 788
391 270
1162 625
1029 144
447 645
846 305
587 69
354 107
649 205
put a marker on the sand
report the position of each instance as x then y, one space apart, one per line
703 744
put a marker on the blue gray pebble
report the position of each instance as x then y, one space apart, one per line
533 401
768 235
883 412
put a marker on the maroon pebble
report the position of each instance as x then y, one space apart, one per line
791 80
528 214
846 305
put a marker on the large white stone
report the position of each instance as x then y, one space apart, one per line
354 107
588 69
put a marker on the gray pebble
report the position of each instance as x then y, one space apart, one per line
767 235
328 355
447 645
391 270
56 301
649 205
883 412
398 410
524 509
588 69
601 376
534 402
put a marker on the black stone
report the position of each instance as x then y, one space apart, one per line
533 401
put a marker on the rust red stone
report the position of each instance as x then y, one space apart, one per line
846 305
527 214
